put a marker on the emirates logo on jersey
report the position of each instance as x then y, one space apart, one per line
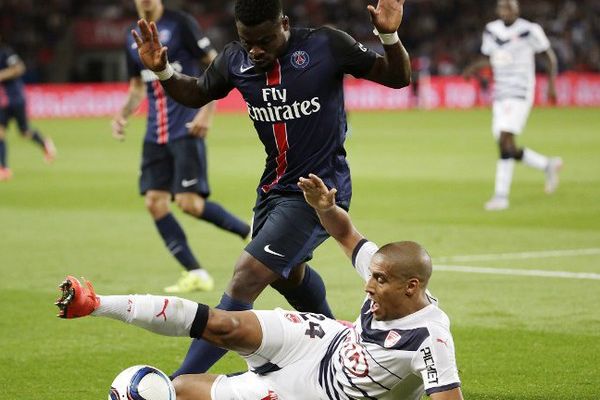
392 338
300 59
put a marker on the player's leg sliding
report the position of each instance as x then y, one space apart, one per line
168 316
310 295
220 217
194 277
202 355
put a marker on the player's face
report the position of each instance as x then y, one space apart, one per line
147 6
386 290
507 10
264 42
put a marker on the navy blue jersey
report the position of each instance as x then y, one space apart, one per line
187 45
12 91
297 107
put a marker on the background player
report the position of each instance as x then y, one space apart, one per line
509 45
400 346
174 155
13 105
291 80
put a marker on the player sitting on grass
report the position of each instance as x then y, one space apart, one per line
400 346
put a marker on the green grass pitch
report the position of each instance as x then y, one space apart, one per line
417 175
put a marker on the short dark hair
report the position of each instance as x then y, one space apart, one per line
255 12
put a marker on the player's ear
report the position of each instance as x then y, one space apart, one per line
285 23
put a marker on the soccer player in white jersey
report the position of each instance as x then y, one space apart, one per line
509 46
400 346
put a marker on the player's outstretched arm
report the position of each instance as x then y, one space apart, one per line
182 88
334 219
392 70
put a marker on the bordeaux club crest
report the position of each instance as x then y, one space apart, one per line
300 59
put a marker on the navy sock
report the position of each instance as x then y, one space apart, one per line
310 295
176 241
216 214
203 355
37 138
3 153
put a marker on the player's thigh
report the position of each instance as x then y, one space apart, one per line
286 230
194 386
189 155
298 381
509 115
156 171
291 336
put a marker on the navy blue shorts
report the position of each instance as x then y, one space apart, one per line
285 231
16 111
176 167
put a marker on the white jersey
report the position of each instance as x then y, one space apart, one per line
397 359
512 52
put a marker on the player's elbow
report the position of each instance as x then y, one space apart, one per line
401 80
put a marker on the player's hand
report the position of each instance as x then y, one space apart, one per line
197 129
316 193
151 52
552 94
118 127
387 16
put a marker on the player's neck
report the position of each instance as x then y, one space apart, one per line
153 15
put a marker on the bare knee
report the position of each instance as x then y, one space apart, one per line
190 203
157 203
193 387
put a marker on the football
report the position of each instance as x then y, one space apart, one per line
142 382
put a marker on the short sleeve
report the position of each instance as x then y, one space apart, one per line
487 43
435 361
215 80
361 257
193 38
351 56
538 39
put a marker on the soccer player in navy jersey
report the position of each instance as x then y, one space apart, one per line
292 82
13 105
174 154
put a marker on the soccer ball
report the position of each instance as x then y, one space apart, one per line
142 382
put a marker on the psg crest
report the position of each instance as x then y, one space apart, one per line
300 59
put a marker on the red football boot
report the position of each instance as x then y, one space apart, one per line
76 300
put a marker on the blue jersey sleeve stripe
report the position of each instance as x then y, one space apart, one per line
356 250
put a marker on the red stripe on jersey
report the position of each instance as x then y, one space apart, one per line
274 75
162 118
280 134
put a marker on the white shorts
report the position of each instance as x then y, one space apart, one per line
295 343
510 115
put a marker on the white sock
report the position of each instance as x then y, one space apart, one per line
165 315
504 173
534 160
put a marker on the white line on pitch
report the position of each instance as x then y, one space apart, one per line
522 255
519 272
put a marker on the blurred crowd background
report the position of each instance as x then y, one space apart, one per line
82 41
